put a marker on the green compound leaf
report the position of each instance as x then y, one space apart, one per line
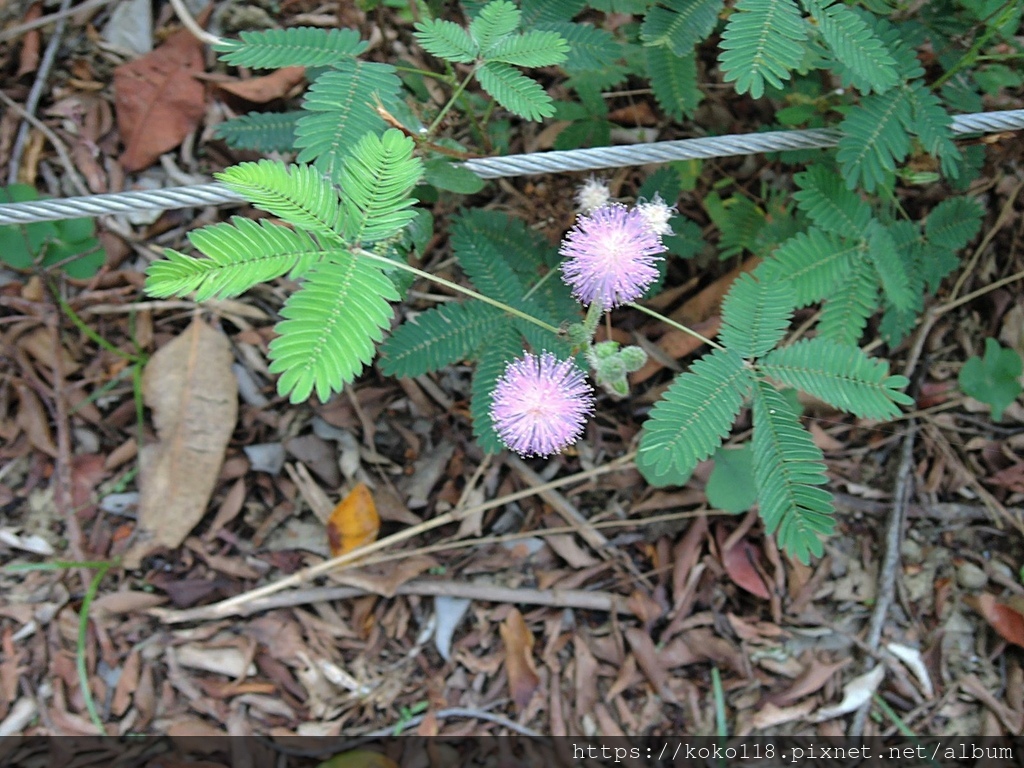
260 131
845 314
841 375
376 181
953 223
755 315
893 268
732 487
680 24
854 44
993 379
294 47
674 80
533 49
473 242
589 48
515 91
331 326
763 41
788 468
812 262
829 204
239 255
446 40
439 337
495 21
503 346
931 123
874 139
299 194
694 416
547 12
341 108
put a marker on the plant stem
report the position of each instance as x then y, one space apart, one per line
594 312
451 102
80 654
456 287
678 326
1002 15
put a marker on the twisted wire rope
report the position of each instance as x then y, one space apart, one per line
593 159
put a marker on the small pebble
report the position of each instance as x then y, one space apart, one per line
970 576
911 551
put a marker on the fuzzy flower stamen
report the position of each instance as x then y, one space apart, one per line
593 193
540 404
657 213
610 256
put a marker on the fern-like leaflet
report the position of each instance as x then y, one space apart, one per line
788 469
294 47
239 255
331 327
839 374
693 417
755 315
762 43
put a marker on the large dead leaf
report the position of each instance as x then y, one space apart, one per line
158 100
523 679
193 393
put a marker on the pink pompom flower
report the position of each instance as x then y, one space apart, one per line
611 255
540 404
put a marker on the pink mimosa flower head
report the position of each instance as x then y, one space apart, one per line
593 193
540 404
610 256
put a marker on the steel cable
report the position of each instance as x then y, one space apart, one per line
497 167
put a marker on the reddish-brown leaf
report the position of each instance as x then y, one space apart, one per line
28 59
739 564
260 90
354 522
1006 620
158 100
523 679
1011 478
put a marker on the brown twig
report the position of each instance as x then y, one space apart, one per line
232 606
554 597
50 18
36 92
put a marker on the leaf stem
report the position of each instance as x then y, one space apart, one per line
677 326
456 287
451 102
1001 16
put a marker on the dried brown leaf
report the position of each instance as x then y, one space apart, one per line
811 680
193 394
28 58
260 90
523 679
34 422
158 100
1006 620
648 659
739 565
